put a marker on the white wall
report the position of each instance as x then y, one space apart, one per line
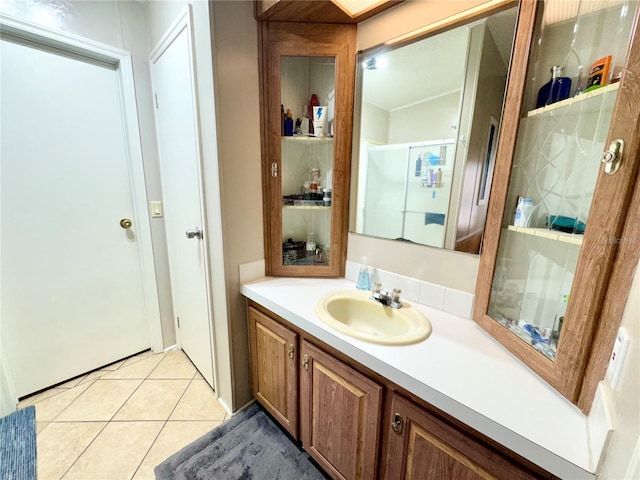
620 461
433 119
374 126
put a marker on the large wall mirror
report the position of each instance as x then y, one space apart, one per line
426 126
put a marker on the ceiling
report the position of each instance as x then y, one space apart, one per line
436 65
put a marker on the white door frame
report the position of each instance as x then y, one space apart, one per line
121 60
183 22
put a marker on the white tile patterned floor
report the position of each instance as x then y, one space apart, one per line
123 420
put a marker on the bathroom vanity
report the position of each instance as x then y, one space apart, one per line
457 404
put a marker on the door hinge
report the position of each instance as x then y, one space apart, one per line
156 95
178 319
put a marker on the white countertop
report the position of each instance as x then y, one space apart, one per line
459 369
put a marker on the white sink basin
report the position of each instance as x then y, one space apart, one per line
353 313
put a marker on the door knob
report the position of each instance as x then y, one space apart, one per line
126 223
195 233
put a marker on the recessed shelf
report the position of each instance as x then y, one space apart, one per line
571 238
577 99
305 207
307 139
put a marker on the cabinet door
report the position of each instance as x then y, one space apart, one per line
308 74
420 446
274 368
340 415
547 264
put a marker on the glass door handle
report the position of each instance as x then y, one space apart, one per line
612 157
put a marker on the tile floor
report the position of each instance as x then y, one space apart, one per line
123 420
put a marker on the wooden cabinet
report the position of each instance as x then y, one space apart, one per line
341 405
555 298
339 415
306 169
274 368
419 445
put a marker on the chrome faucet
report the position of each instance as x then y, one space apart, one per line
391 300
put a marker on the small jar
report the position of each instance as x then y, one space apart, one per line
326 198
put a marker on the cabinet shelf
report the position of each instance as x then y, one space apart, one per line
305 207
307 139
585 97
571 238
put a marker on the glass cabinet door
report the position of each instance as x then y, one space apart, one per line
546 266
571 90
306 94
308 122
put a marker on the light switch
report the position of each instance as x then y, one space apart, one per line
156 209
616 360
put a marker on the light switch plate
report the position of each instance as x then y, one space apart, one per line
616 360
156 209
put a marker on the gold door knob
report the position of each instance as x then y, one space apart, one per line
126 223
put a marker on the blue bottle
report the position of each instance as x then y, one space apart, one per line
288 124
556 89
364 281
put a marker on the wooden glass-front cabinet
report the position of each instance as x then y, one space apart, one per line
307 83
549 286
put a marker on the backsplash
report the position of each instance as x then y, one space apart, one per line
448 300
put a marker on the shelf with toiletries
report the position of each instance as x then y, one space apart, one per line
549 169
572 238
590 99
306 140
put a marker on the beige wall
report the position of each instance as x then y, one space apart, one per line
236 72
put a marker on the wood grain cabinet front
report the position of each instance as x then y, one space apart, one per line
420 445
274 368
358 425
340 415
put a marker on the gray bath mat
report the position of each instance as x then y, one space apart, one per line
250 446
18 445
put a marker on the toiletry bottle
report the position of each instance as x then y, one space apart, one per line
288 124
554 90
313 102
439 178
364 282
311 244
315 179
282 118
419 166
304 126
523 212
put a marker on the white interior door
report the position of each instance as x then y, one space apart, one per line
177 129
72 292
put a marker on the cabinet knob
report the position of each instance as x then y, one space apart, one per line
305 362
290 351
396 425
612 157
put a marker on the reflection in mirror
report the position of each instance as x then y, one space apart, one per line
429 119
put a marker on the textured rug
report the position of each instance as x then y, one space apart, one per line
18 445
250 446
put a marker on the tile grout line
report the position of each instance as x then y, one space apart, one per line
106 423
165 422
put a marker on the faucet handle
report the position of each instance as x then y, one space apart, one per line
377 287
395 295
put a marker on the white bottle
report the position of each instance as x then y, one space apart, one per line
523 212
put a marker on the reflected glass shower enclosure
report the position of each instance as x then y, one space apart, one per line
408 190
